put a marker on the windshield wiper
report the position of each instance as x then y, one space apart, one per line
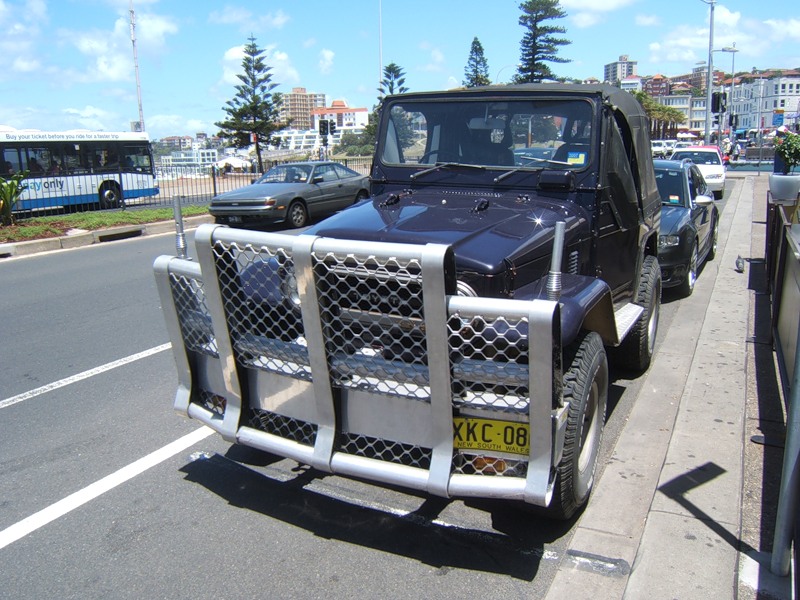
444 165
502 176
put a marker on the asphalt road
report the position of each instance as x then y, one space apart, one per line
106 493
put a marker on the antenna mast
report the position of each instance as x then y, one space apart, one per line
136 66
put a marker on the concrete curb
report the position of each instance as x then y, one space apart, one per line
88 238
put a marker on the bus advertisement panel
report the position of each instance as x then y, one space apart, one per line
78 168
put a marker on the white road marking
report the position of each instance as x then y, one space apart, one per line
80 376
62 507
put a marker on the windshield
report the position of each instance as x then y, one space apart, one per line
520 133
698 157
286 174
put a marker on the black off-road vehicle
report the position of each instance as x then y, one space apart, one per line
449 333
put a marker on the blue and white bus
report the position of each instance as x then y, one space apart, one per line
70 169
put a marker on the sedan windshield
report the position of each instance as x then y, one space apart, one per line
521 134
286 174
698 157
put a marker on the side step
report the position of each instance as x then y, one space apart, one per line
626 318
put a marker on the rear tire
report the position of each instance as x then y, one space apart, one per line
636 351
586 391
110 195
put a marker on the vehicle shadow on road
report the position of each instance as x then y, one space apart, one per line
515 549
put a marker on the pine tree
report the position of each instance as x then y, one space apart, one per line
539 44
477 70
253 113
393 82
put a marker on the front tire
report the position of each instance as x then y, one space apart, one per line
687 285
586 391
712 251
636 351
297 215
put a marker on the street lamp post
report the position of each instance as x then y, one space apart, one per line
710 76
729 111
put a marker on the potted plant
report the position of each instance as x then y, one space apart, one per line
785 185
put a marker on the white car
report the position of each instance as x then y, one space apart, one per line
659 148
709 160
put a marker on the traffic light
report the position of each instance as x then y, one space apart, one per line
733 121
716 120
332 127
718 102
323 127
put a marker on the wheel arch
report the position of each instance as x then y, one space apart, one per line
588 307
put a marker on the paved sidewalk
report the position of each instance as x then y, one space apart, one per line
665 520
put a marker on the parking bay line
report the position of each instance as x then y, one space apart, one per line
62 507
80 376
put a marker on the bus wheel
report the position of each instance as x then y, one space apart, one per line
110 195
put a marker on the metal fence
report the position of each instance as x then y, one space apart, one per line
192 185
783 272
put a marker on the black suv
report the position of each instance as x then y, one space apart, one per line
449 333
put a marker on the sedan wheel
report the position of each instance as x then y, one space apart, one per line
687 287
297 216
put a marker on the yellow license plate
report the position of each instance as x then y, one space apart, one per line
489 435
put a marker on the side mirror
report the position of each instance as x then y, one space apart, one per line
703 200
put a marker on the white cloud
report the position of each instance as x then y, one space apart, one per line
584 20
326 61
91 117
588 13
310 43
246 20
281 68
786 29
437 60
647 20
595 5
163 125
25 65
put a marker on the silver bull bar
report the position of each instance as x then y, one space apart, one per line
352 357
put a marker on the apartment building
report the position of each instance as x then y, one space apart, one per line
297 107
619 70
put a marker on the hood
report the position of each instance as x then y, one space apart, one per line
485 230
673 218
255 191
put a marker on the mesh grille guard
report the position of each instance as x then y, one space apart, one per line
340 341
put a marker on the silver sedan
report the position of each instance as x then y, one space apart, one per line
291 193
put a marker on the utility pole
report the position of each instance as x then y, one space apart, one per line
710 76
136 65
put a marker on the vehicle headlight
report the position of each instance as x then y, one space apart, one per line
289 287
668 241
269 202
271 281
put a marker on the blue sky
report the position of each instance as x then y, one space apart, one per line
69 63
